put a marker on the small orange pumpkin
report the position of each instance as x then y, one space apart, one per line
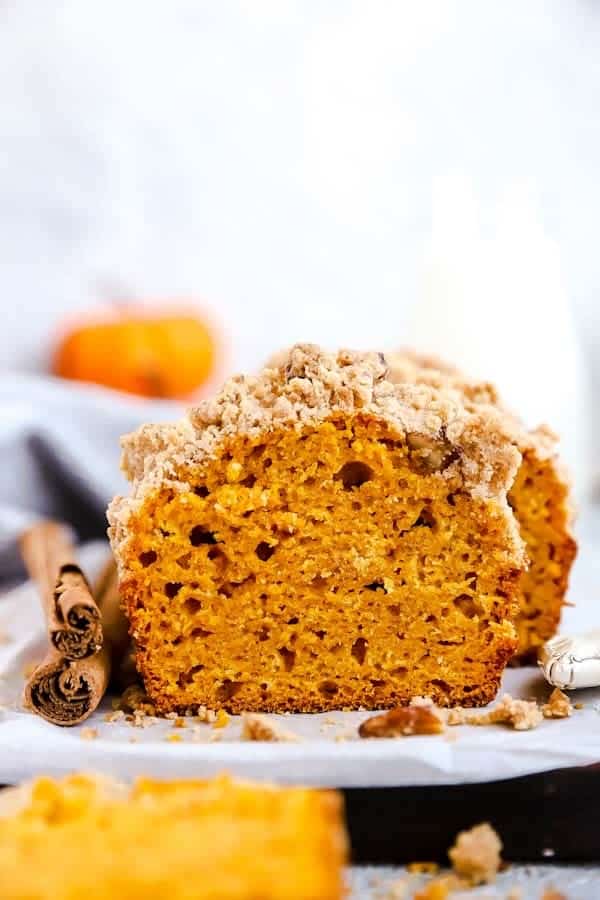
151 353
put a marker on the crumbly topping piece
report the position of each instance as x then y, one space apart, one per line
135 700
397 890
423 868
558 706
475 855
422 716
441 888
221 719
88 734
403 721
206 715
309 386
408 366
257 727
521 715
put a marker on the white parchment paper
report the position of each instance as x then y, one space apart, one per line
330 752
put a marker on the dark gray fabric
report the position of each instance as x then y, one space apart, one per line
59 453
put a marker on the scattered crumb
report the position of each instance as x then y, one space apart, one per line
552 894
422 716
403 721
475 855
558 706
520 714
172 716
440 888
179 722
515 894
426 702
134 699
423 868
117 715
578 706
397 890
174 738
214 737
257 727
329 720
88 734
133 739
221 720
206 715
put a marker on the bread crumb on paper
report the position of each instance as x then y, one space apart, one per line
515 894
221 720
558 706
423 868
422 716
441 888
521 715
397 890
205 715
475 855
258 727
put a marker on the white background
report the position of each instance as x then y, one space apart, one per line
278 159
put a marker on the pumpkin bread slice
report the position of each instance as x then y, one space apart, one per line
540 498
94 838
316 537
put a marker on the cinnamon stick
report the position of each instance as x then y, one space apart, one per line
115 628
61 690
65 692
72 614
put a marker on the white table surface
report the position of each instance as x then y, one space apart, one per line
575 882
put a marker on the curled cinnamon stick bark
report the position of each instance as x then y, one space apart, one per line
72 614
115 627
65 692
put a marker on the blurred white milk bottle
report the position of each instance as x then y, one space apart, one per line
496 307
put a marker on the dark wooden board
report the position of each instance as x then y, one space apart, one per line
550 817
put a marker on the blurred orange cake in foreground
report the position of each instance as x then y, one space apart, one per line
181 840
317 537
540 498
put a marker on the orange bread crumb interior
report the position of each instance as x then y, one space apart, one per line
355 554
182 840
540 498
